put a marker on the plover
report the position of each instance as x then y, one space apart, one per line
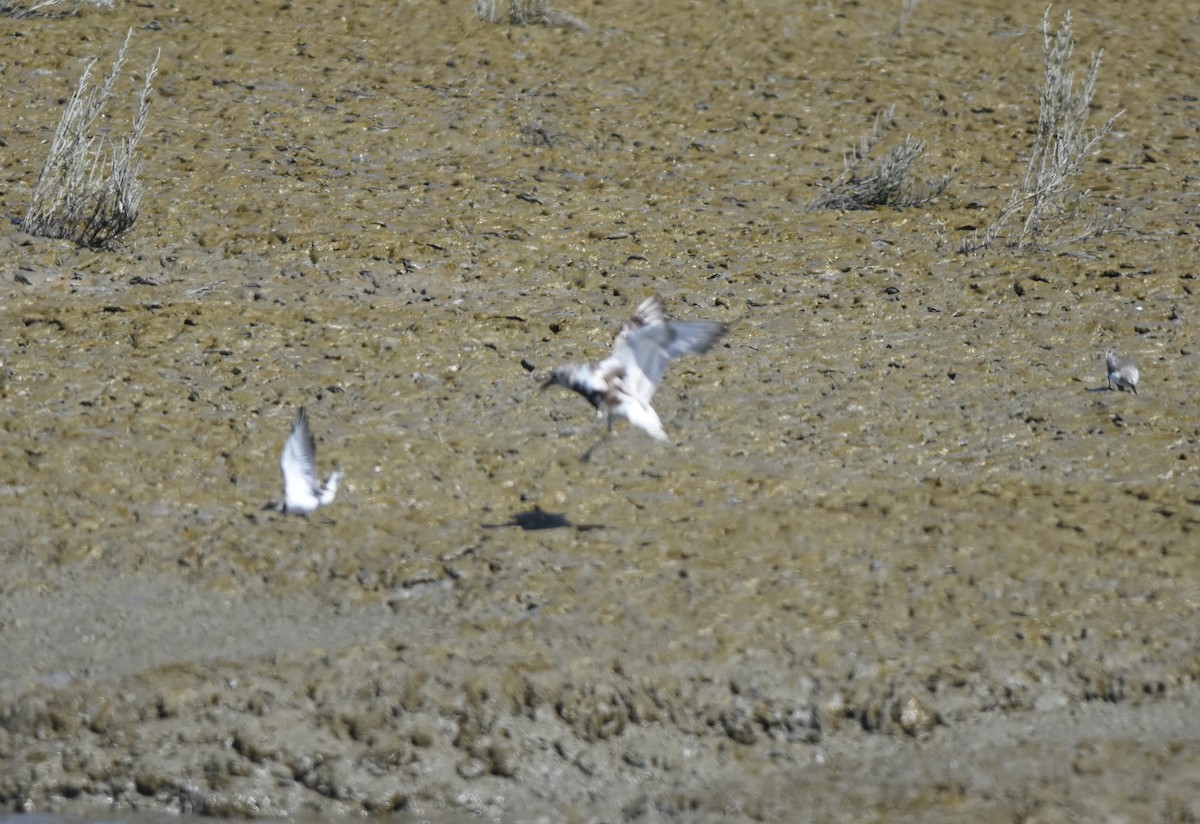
302 492
623 383
1121 372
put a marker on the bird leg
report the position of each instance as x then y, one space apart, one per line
587 456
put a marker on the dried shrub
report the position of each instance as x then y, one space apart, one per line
907 7
886 182
88 190
50 8
523 12
1045 198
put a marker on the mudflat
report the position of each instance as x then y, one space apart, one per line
906 556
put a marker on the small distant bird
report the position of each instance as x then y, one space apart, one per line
302 492
623 383
1121 372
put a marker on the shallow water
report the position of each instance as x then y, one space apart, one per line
898 519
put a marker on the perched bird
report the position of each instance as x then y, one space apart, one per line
623 383
1121 372
302 492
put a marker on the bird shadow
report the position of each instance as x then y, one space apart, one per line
537 519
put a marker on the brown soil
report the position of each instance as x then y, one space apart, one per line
904 560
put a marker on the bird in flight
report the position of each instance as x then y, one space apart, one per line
622 384
302 491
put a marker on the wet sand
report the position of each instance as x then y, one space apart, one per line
906 558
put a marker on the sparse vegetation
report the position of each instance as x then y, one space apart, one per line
88 190
1045 199
46 8
887 182
522 12
907 7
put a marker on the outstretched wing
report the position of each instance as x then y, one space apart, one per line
647 352
299 460
650 312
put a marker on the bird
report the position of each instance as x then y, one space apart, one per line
1121 372
302 491
622 384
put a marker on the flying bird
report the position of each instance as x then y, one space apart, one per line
622 384
302 491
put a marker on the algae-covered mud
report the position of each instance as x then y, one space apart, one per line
905 557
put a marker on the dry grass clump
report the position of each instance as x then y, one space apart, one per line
522 12
907 7
48 8
1050 208
88 190
885 182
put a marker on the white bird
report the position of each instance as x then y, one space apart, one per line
302 491
623 383
1121 372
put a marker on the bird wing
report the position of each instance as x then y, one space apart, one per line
329 490
650 312
692 337
647 352
299 459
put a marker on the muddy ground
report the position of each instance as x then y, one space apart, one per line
904 559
